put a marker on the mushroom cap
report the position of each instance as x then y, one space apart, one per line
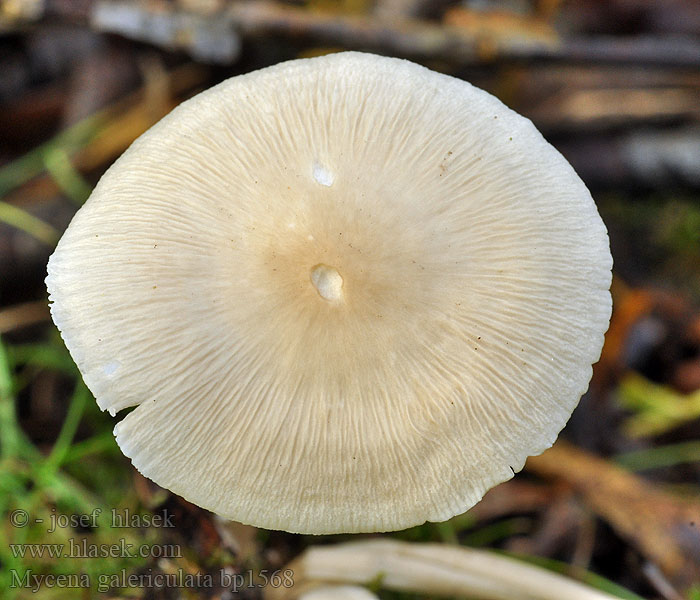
344 294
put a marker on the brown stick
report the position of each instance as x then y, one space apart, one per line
662 526
413 38
426 40
23 315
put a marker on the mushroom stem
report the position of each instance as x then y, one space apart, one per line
430 569
338 592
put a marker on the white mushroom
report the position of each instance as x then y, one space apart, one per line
338 592
344 294
432 569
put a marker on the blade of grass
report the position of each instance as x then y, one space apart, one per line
495 532
45 356
10 447
94 445
661 456
68 429
10 436
10 482
69 180
656 408
33 163
446 532
24 221
118 125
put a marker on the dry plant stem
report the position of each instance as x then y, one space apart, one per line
662 526
116 127
662 585
23 315
207 39
339 592
419 39
404 37
430 569
397 9
409 37
25 221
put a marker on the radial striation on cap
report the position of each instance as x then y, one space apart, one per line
344 294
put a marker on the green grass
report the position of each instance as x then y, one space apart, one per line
80 476
43 486
654 408
661 456
24 221
54 158
53 154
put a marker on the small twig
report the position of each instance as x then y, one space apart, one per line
401 9
405 36
23 315
660 525
662 585
420 39
207 38
585 542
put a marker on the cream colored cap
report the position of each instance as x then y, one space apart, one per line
344 294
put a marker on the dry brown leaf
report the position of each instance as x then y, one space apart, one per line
498 25
630 305
663 527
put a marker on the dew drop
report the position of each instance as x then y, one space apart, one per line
328 282
323 175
